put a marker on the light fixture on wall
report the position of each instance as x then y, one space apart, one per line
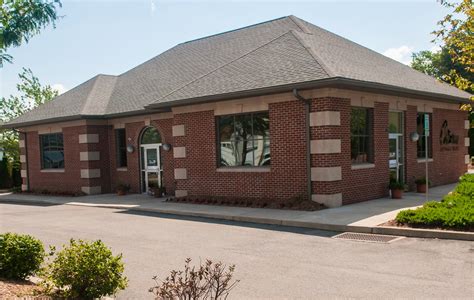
130 148
166 147
414 136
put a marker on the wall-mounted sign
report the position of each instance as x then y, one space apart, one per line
447 139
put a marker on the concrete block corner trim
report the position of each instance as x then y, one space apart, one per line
178 130
90 173
325 118
326 146
330 200
23 173
21 143
24 187
23 158
180 193
89 156
180 173
326 173
467 124
91 190
467 159
467 142
88 138
179 152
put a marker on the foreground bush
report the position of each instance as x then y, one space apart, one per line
208 281
86 270
20 255
455 211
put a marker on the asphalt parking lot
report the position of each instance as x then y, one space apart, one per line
272 262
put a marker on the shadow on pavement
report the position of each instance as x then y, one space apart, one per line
29 203
297 230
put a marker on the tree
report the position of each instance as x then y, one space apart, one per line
454 63
23 19
31 94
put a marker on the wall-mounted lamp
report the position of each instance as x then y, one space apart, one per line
130 148
414 136
166 147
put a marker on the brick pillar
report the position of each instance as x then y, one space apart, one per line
326 149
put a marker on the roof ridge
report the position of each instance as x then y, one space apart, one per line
300 25
313 54
88 101
222 66
233 30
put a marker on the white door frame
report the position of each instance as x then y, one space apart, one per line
145 169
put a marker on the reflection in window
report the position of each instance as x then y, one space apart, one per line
150 136
52 151
244 140
420 129
121 147
361 135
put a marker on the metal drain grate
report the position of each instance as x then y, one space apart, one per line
366 237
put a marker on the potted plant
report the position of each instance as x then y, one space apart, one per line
396 188
122 189
421 184
155 190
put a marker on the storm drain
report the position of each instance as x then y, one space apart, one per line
366 237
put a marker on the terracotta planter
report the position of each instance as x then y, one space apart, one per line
397 194
421 188
121 193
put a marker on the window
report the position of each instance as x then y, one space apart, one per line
121 147
420 129
52 151
244 140
361 135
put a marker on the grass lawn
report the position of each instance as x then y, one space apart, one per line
455 211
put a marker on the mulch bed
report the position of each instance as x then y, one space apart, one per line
21 289
395 223
291 204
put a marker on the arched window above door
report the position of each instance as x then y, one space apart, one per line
150 136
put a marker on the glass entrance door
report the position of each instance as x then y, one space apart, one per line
150 166
395 146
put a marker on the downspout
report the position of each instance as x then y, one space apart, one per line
307 105
26 158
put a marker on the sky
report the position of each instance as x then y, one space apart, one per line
112 36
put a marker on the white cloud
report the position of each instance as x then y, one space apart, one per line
59 87
401 54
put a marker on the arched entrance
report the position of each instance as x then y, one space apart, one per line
151 169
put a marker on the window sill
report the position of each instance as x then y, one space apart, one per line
244 169
423 160
122 169
52 171
362 166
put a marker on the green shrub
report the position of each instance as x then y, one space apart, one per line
20 255
86 270
455 211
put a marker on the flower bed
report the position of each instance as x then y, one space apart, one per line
455 211
292 204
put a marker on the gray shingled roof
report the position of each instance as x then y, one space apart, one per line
276 53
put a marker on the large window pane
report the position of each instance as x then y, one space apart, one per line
420 129
361 135
121 145
244 140
52 151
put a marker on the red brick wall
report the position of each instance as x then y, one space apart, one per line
447 165
287 177
131 174
370 183
67 181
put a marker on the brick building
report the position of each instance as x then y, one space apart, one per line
280 109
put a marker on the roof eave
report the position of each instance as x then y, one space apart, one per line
339 82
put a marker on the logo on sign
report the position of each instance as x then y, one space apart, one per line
447 138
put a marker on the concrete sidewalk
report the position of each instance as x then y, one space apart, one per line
361 217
